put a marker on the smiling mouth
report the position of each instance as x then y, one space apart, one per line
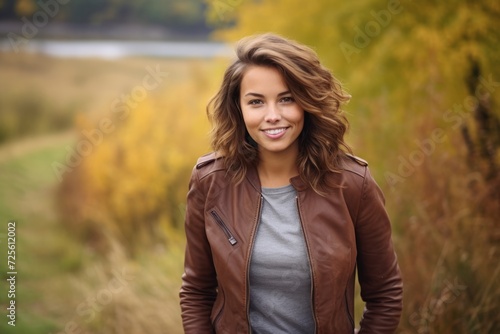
274 132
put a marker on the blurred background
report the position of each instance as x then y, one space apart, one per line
102 116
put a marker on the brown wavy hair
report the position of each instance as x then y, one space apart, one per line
314 88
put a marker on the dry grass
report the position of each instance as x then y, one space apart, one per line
444 216
59 272
119 295
448 246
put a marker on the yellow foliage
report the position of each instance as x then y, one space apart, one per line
412 68
133 184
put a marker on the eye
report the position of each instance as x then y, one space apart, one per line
287 99
255 102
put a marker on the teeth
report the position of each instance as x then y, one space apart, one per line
275 131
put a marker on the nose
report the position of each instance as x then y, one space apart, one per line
273 114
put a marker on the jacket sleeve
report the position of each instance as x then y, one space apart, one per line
199 281
379 275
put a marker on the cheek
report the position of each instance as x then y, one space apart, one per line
298 117
250 119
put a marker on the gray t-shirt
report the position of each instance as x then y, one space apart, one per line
280 275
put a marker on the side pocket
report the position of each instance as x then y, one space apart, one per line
224 228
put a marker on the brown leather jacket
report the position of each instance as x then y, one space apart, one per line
346 229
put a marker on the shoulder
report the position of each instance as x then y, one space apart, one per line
209 176
352 164
358 185
357 177
208 164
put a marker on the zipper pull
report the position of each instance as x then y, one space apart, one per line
232 240
224 228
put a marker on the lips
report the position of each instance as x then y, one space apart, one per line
275 133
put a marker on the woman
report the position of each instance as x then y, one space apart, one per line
280 216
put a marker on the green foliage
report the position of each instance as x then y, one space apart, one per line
181 14
177 14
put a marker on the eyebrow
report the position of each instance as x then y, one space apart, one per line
260 95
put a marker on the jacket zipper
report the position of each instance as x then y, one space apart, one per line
310 266
224 228
257 219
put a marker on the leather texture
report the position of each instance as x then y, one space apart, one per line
345 230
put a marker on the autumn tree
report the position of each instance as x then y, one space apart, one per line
425 85
131 187
182 14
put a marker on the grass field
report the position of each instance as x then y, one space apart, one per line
57 274
44 253
62 285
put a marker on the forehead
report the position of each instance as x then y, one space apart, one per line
263 79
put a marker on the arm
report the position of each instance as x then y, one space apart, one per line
199 281
379 276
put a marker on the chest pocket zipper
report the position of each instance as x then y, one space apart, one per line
223 227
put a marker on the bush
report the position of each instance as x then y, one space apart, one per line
132 185
29 115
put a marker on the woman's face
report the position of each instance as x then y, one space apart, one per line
272 117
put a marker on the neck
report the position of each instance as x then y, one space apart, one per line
276 170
